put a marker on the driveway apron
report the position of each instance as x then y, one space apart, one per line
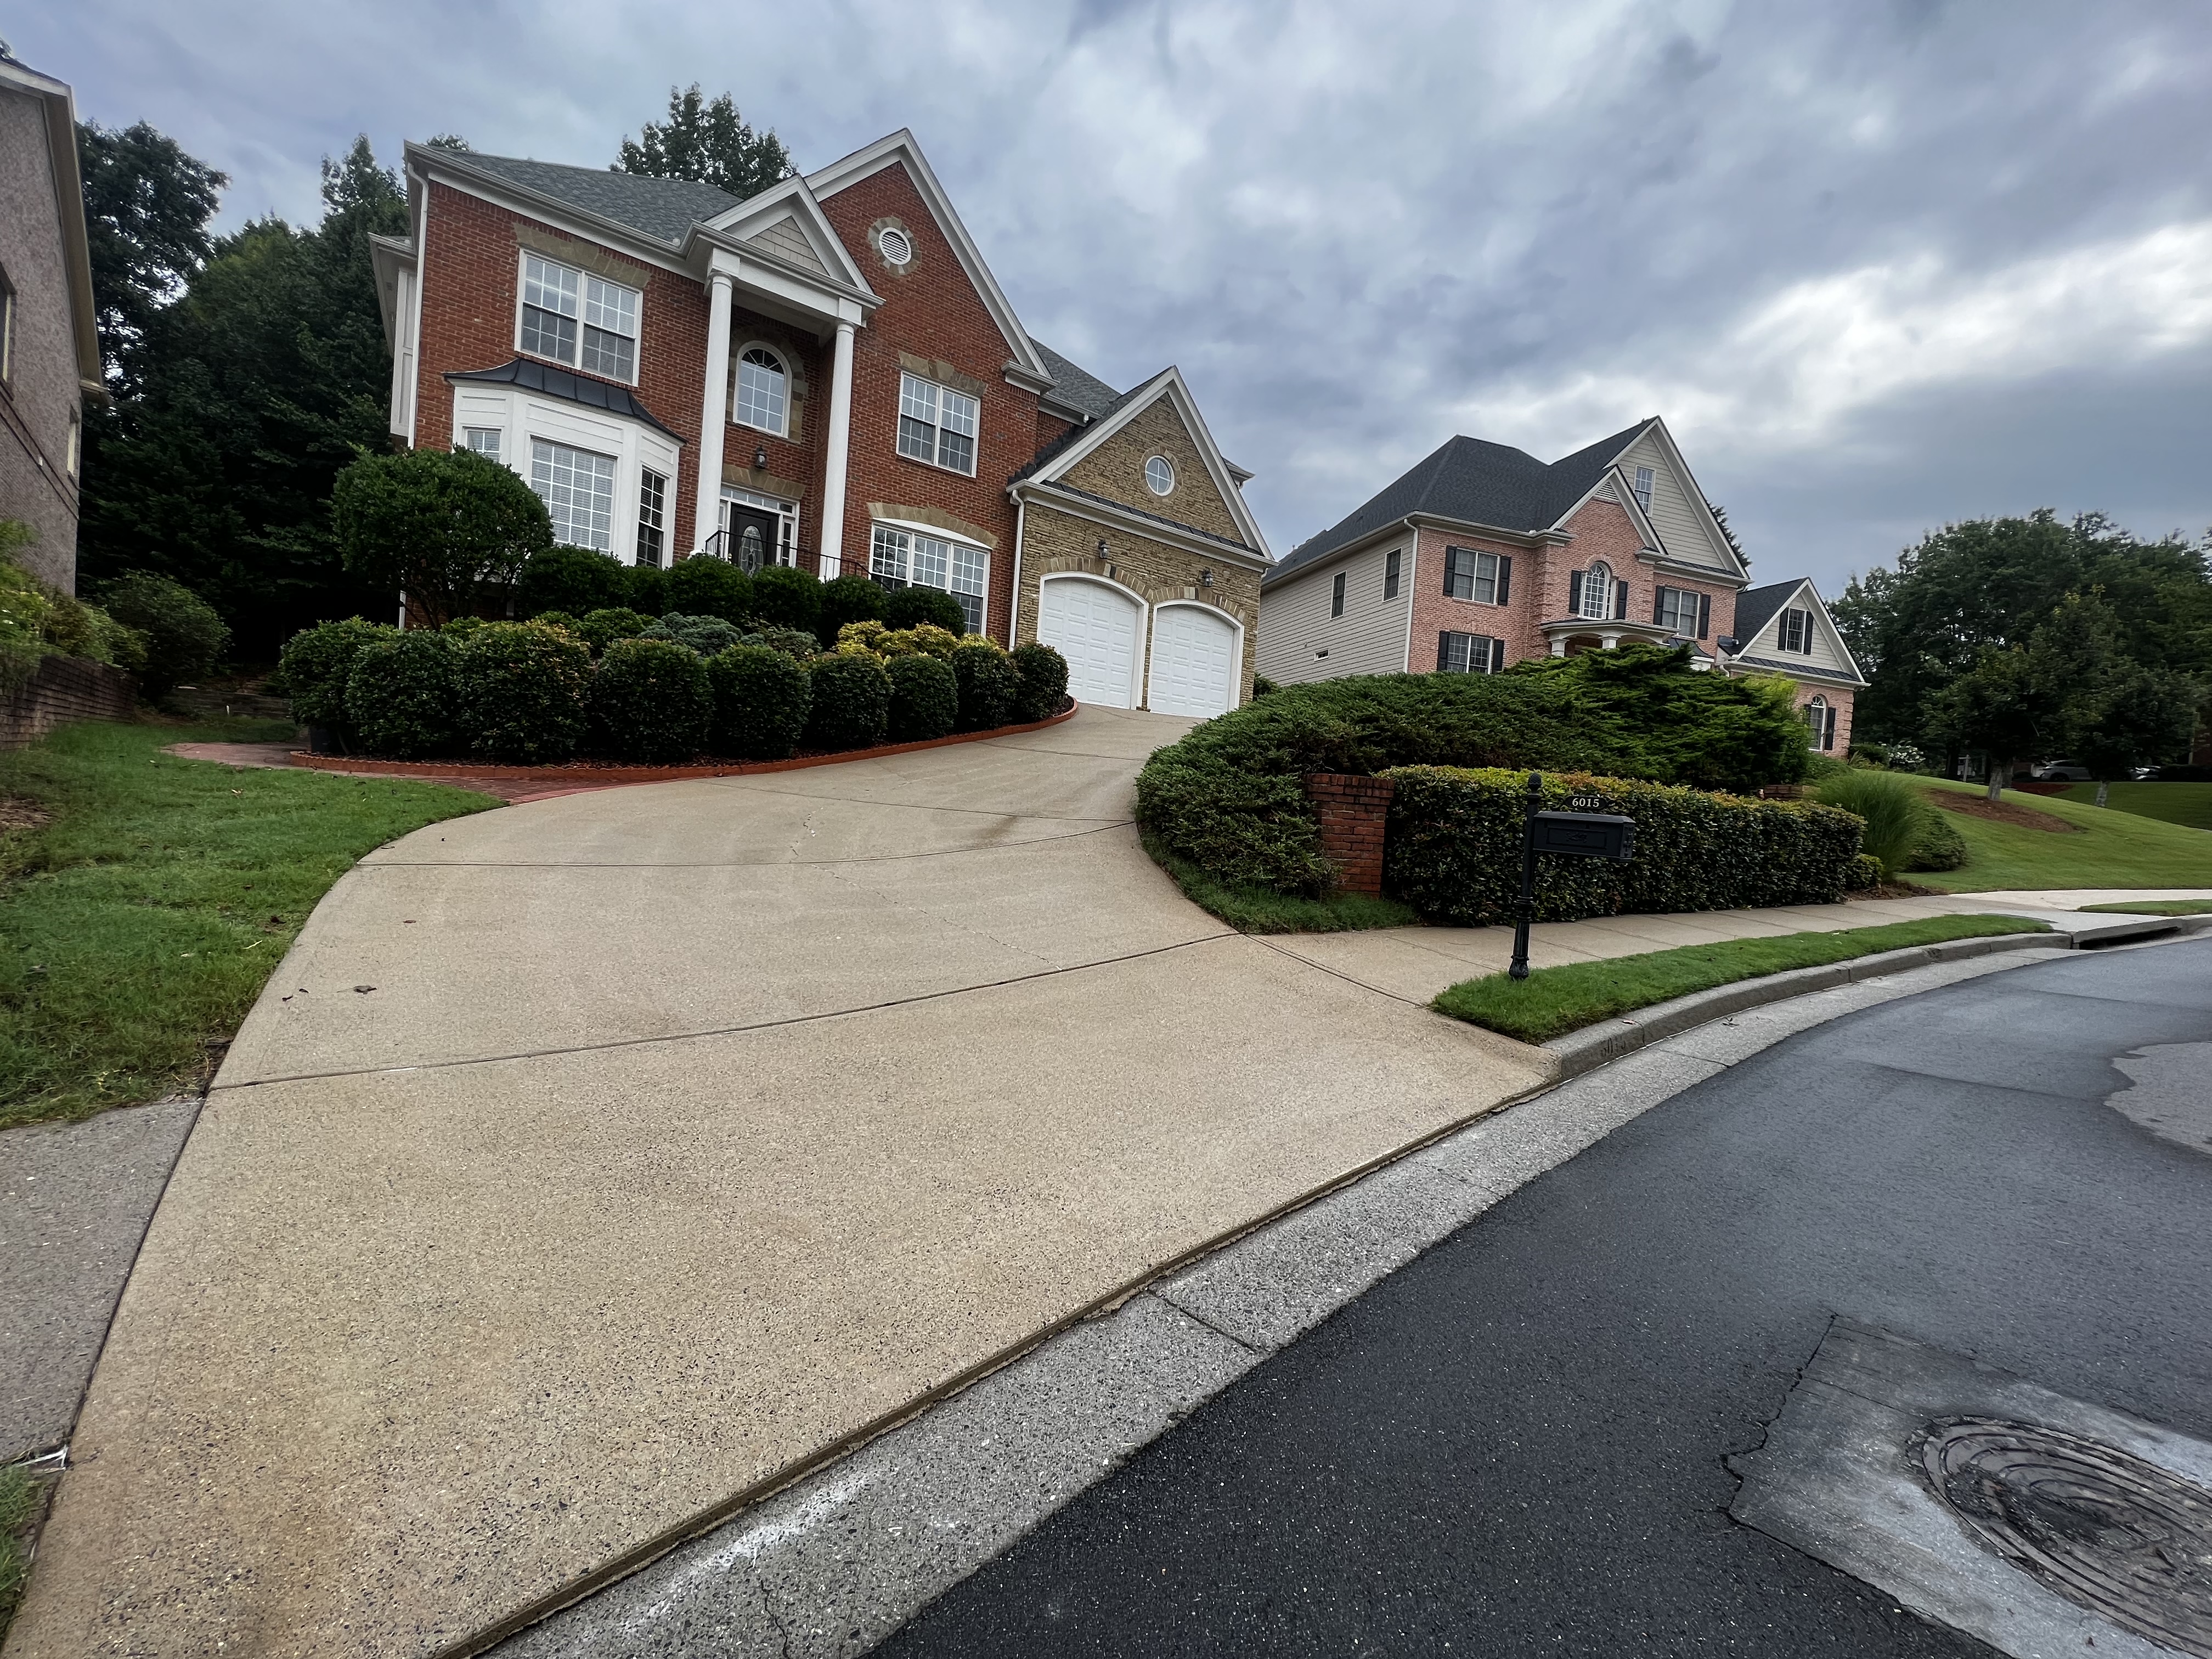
591 1164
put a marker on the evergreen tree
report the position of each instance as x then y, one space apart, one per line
708 142
146 210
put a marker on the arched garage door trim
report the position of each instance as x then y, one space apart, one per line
1213 613
1134 692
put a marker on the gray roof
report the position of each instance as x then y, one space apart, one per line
534 376
1474 480
1077 387
1755 606
662 209
1801 670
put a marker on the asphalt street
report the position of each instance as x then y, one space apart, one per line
1516 1444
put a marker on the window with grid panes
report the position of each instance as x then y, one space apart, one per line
578 489
1794 632
1390 574
1482 577
1469 654
1676 607
899 558
483 440
577 318
652 516
936 424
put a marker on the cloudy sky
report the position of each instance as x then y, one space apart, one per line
1881 263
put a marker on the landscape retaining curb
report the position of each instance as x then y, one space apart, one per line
589 776
1595 1045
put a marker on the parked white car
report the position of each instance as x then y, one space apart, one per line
2060 771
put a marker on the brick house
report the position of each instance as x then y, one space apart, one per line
825 374
49 348
1481 555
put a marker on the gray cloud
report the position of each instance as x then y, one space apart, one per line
1880 266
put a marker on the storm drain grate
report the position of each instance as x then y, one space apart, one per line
2104 1528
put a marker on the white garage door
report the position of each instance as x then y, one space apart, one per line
1095 628
1194 662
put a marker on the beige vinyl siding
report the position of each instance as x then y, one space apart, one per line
1824 655
1368 638
784 238
1686 529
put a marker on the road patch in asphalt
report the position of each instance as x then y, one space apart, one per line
2169 1097
2048 1527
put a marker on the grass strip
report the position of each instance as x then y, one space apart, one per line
2189 805
1256 910
2155 908
145 898
1553 1001
2116 849
19 1505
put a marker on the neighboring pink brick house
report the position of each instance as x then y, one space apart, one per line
1482 555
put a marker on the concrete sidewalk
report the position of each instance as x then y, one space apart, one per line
592 1167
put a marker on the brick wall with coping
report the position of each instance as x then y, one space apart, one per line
62 689
1352 811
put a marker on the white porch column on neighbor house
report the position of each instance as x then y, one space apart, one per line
832 459
714 410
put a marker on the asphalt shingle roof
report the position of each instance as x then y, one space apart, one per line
1755 606
663 209
1475 480
1077 387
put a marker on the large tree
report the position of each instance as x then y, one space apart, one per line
146 210
708 142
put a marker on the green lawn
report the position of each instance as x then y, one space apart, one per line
1256 910
2116 849
1553 1001
2186 804
137 924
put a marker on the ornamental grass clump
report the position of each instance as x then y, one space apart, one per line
851 702
990 683
1903 830
520 691
399 696
925 698
762 700
650 701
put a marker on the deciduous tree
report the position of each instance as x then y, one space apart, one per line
447 528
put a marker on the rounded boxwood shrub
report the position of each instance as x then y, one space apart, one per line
601 628
645 589
794 642
909 605
1044 682
520 689
461 627
1940 846
925 698
707 635
650 701
399 696
762 700
560 619
788 596
317 662
990 684
847 599
704 586
184 637
574 579
851 702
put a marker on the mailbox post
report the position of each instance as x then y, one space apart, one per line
1571 835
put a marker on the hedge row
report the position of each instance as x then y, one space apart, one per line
1453 850
530 692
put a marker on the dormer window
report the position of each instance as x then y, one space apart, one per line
1643 488
763 399
1793 632
572 317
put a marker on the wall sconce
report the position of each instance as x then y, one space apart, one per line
1102 547
1206 579
760 457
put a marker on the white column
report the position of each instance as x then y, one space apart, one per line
832 459
714 411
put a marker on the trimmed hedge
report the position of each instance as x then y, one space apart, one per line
317 663
794 642
762 699
1044 682
651 702
707 635
851 702
788 596
909 605
399 696
990 684
1454 848
521 692
925 698
847 599
1940 846
702 587
601 628
573 580
646 589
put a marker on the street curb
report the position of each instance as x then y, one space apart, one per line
1596 1045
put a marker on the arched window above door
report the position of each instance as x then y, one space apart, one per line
763 391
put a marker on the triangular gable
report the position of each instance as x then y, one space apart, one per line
1802 596
786 214
900 146
1680 521
1168 383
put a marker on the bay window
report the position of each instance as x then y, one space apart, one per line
578 489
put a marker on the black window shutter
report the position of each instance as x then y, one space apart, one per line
1504 577
1620 601
1704 613
1575 593
1828 737
1498 656
1443 651
1659 604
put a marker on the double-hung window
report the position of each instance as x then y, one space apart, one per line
1682 611
1793 632
578 489
1643 488
936 424
1485 578
652 516
1390 572
1336 596
577 318
483 441
902 558
761 389
1469 654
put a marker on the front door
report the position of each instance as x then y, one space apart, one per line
750 536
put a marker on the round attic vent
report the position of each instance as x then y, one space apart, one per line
893 245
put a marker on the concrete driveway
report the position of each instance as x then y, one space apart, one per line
591 1166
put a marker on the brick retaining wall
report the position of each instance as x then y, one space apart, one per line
1351 810
65 688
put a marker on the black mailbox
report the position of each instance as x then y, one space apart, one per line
1586 835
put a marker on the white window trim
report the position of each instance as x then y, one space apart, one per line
1605 604
1152 614
939 533
522 256
1140 657
974 441
522 416
737 359
1169 466
787 552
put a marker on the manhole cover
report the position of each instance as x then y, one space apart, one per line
2102 1527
